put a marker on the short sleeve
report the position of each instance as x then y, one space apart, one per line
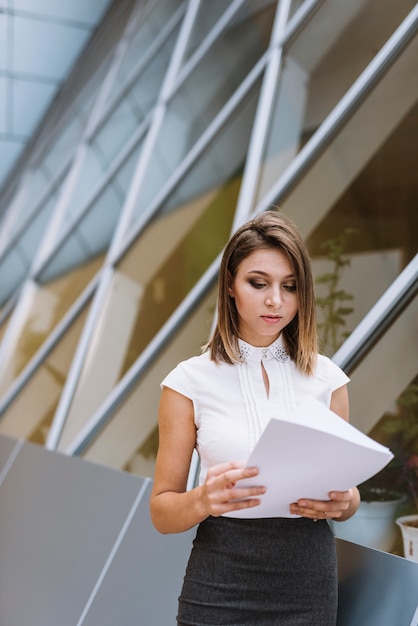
335 375
178 380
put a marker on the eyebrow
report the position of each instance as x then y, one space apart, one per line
261 273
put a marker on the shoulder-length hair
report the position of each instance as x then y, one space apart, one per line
267 230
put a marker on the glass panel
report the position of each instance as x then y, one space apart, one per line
3 325
9 152
60 151
150 25
31 413
77 10
15 263
130 440
45 49
24 202
386 407
205 92
95 229
163 265
3 45
355 184
4 121
53 160
318 68
40 96
14 268
44 307
122 123
207 16
32 237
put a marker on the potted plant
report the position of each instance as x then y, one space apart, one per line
409 523
398 429
373 524
408 430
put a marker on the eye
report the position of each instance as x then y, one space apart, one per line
290 287
257 284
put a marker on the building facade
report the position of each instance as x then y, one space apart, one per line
180 120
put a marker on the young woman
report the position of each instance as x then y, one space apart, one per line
260 362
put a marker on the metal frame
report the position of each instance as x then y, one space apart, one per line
380 317
343 110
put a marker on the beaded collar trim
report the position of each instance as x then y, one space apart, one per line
276 349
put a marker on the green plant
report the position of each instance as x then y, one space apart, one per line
333 305
398 430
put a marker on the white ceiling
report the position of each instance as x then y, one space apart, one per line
39 42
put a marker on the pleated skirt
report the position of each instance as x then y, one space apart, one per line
276 571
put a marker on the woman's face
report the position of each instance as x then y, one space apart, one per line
264 290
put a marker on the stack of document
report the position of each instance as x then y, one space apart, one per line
314 453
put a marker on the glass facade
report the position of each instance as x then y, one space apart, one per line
187 119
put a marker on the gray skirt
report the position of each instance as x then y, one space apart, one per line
276 571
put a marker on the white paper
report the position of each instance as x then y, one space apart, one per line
315 453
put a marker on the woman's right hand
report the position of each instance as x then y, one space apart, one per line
221 492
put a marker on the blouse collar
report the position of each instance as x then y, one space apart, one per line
275 350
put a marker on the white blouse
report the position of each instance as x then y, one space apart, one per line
231 405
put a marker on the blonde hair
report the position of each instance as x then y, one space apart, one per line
268 230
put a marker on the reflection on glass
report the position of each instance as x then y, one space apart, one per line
46 305
31 413
14 270
130 439
121 124
54 157
363 231
384 403
207 16
149 27
3 324
95 229
204 93
60 151
319 66
163 265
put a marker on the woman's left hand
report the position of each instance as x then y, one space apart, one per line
340 506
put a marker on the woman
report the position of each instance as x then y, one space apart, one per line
261 362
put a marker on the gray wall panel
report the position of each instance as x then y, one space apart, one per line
143 584
60 518
375 588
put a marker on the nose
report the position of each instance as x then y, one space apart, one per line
273 299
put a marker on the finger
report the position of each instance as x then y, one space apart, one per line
245 492
314 510
344 496
231 477
222 468
238 505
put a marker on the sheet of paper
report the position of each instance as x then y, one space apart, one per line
315 453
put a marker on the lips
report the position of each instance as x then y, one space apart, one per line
271 319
